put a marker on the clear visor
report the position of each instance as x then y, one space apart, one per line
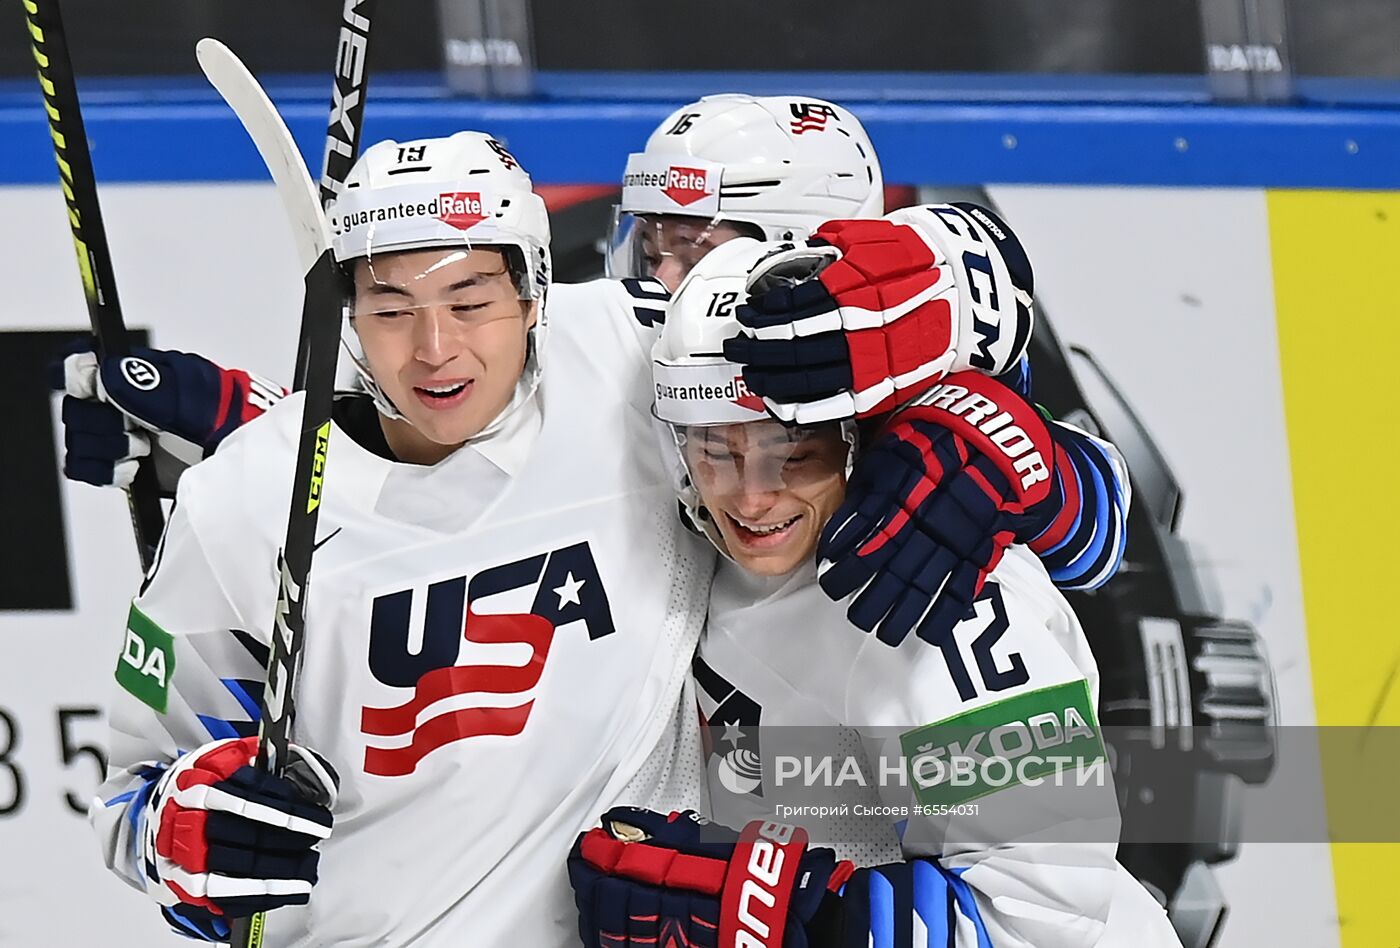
664 246
727 461
466 286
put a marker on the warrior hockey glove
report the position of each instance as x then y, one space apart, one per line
933 504
655 880
112 407
224 840
895 304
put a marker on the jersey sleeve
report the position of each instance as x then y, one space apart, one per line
994 729
1083 546
648 299
633 308
607 328
187 673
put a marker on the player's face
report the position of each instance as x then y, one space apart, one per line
671 246
770 488
445 335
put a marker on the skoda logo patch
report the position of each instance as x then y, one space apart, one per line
140 373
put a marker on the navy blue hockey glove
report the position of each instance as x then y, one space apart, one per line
112 408
223 840
932 505
674 881
870 313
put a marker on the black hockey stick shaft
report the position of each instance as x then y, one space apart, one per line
60 89
317 350
318 347
346 121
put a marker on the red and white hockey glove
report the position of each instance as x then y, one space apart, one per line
870 313
114 408
932 505
645 878
225 840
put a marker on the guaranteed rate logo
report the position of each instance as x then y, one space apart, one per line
745 398
460 209
684 186
735 391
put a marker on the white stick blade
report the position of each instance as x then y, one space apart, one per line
300 198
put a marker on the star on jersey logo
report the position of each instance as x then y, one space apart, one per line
568 592
732 734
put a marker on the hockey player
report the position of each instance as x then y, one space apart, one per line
501 622
1029 863
777 168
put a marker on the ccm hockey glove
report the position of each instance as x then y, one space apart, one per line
645 878
112 408
932 505
872 312
223 840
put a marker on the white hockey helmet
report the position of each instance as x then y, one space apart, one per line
457 193
696 387
781 164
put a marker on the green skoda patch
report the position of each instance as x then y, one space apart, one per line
1049 734
147 661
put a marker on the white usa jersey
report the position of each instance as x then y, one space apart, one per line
497 649
811 721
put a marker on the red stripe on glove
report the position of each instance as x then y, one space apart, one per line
933 474
921 336
999 424
654 865
226 396
202 901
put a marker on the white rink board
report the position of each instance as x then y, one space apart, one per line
205 268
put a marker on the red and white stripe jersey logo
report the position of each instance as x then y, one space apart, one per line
450 701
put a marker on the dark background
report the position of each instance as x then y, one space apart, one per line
139 37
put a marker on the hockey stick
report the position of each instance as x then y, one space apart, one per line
346 121
320 337
347 97
60 88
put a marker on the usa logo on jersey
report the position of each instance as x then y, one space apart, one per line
729 722
567 589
